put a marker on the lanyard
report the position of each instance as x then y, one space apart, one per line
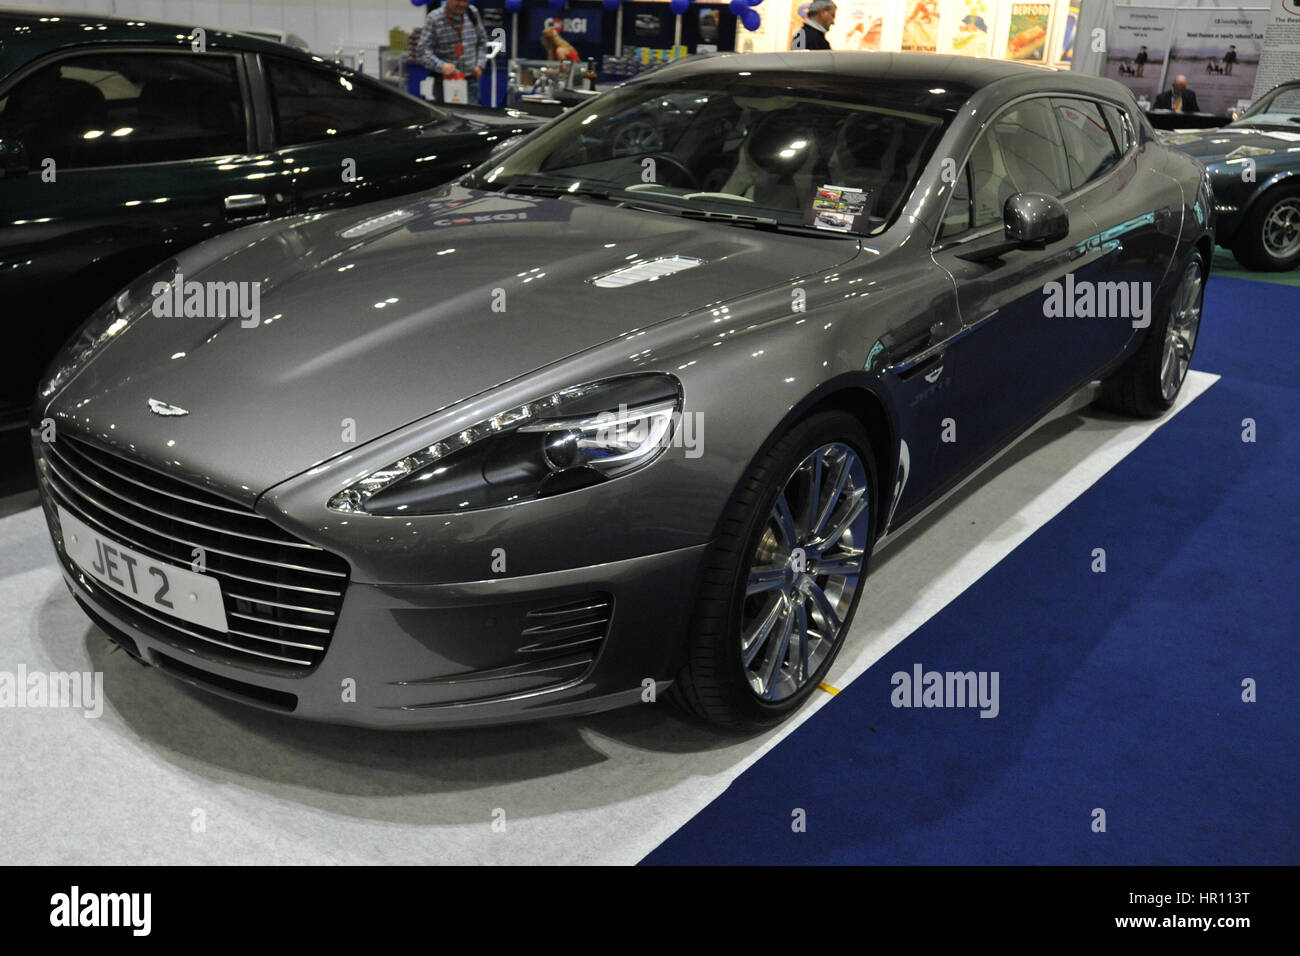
459 49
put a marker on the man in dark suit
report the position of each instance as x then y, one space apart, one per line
1179 99
812 36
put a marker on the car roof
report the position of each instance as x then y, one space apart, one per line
964 74
26 35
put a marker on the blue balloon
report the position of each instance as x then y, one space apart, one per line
751 19
611 5
679 6
738 7
754 3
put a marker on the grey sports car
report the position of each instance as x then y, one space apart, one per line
1254 165
590 426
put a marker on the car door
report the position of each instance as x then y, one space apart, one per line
131 156
349 139
1017 358
1138 215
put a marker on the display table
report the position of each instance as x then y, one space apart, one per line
1168 119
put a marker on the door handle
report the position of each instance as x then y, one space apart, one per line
245 204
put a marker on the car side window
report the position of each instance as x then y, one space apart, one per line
116 109
958 218
312 104
1120 130
1020 151
1090 151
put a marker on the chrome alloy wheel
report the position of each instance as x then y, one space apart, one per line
1282 229
804 572
1180 336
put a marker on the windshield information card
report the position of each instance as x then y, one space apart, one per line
840 209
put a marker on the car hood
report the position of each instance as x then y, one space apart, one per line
1213 145
371 318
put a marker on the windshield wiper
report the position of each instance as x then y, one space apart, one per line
740 219
552 191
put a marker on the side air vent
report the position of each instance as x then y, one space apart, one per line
570 627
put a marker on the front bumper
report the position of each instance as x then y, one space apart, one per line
571 641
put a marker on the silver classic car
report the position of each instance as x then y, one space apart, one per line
613 418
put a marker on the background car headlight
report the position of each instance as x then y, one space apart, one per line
571 439
107 322
1244 152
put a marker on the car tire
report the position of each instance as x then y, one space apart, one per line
1147 385
1268 239
723 682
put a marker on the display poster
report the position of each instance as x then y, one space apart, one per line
968 27
921 26
1027 32
1279 60
762 40
779 21
1218 51
708 26
1069 26
859 25
795 24
1138 44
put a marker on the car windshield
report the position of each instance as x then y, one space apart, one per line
1281 107
788 149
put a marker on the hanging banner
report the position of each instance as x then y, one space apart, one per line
921 28
1138 44
1280 59
968 27
1218 51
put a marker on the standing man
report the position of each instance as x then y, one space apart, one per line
1140 61
812 36
1229 59
1179 99
453 41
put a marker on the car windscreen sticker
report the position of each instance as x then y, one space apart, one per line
840 209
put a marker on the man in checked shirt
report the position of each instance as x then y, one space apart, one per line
453 41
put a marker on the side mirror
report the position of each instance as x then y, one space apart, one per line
1034 220
13 157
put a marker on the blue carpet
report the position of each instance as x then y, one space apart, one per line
1120 691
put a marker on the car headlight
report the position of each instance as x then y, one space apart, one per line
107 322
571 439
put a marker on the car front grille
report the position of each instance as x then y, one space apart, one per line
282 595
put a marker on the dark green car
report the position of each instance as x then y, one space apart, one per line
123 142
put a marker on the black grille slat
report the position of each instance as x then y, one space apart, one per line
282 595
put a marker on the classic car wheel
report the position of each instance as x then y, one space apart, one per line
780 585
1269 237
1148 383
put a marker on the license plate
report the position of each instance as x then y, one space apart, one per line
163 587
